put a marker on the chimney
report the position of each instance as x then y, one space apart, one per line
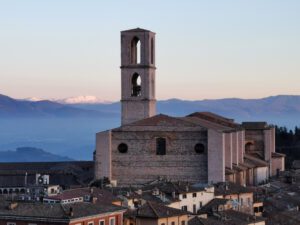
226 186
94 200
173 194
25 179
187 188
12 205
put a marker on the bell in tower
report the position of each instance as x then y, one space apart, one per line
137 75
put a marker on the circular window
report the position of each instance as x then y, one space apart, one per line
199 148
123 148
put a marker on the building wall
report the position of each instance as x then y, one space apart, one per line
261 174
167 221
241 146
245 202
95 219
118 220
235 151
216 156
103 155
241 177
177 220
277 164
141 163
202 198
256 137
228 150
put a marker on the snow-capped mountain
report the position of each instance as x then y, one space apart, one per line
82 99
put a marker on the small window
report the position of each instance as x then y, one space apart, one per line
199 148
184 208
163 224
160 146
112 221
173 223
90 223
123 148
184 196
200 205
183 222
102 222
194 209
194 195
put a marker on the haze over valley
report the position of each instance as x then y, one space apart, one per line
69 129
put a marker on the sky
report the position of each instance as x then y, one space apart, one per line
204 49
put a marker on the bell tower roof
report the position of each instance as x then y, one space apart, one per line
141 30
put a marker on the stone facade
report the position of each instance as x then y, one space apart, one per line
141 163
137 75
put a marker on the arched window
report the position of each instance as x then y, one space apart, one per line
135 51
200 148
152 51
136 82
122 148
160 146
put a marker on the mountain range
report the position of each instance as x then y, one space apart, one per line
69 129
281 109
29 154
10 107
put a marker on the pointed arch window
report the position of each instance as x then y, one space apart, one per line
135 51
136 83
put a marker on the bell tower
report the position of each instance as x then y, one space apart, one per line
137 75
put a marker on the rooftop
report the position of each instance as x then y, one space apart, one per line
155 210
229 188
54 212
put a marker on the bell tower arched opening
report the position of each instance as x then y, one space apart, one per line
135 51
136 88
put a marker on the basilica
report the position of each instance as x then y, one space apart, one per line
201 147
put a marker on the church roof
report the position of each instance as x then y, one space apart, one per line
163 120
255 125
214 118
136 30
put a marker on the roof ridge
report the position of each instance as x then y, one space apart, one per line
150 205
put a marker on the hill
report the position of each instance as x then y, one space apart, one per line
29 154
10 107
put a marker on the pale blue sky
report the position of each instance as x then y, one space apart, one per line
205 49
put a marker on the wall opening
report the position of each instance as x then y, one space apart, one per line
135 51
249 147
152 51
199 148
123 148
160 146
136 83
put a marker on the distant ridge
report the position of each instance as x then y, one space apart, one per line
29 154
10 107
281 109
